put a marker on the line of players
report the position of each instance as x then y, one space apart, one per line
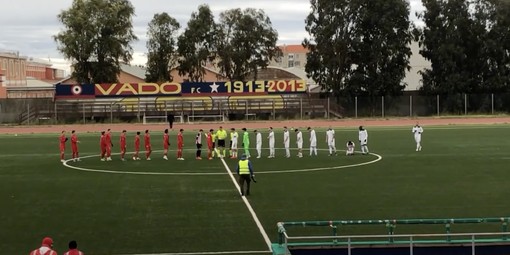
215 144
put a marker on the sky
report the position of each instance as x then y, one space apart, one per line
27 26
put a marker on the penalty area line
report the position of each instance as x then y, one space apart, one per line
248 205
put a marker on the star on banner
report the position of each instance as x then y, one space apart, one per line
214 87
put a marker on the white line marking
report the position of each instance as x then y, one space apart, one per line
247 203
66 164
206 253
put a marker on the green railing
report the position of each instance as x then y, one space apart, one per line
285 241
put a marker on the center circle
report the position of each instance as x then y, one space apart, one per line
68 163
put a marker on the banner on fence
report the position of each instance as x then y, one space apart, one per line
193 89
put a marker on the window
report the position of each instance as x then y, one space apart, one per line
291 63
291 56
297 56
297 63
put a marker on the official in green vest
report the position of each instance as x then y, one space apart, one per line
245 172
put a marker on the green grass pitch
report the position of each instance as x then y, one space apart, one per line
461 172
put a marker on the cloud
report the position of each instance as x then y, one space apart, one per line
28 26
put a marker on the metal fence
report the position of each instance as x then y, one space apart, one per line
39 111
418 105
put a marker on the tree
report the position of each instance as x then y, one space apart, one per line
161 45
493 18
452 43
196 44
245 42
381 48
96 38
359 47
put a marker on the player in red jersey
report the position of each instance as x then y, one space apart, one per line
62 140
166 144
122 143
210 144
109 145
102 144
137 146
74 146
147 142
180 144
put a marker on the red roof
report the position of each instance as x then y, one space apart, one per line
294 48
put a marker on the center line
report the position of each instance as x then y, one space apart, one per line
247 203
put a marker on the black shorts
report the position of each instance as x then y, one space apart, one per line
199 146
221 143
230 146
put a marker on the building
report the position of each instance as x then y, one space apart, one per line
292 56
22 77
13 66
418 63
210 75
43 70
128 74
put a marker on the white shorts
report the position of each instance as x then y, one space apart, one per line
313 144
332 144
259 146
300 145
417 139
287 145
234 145
271 145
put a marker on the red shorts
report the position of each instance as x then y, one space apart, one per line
165 146
103 149
148 147
74 148
179 146
122 147
137 148
62 148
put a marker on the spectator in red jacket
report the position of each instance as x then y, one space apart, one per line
73 249
45 249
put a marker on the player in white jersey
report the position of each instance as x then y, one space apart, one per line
349 148
258 143
330 140
363 140
299 142
270 137
313 141
286 141
234 139
417 130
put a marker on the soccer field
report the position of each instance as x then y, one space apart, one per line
158 206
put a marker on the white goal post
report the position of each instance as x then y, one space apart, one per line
160 119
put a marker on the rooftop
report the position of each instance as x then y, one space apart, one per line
293 48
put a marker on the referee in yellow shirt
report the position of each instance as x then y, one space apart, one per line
221 135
